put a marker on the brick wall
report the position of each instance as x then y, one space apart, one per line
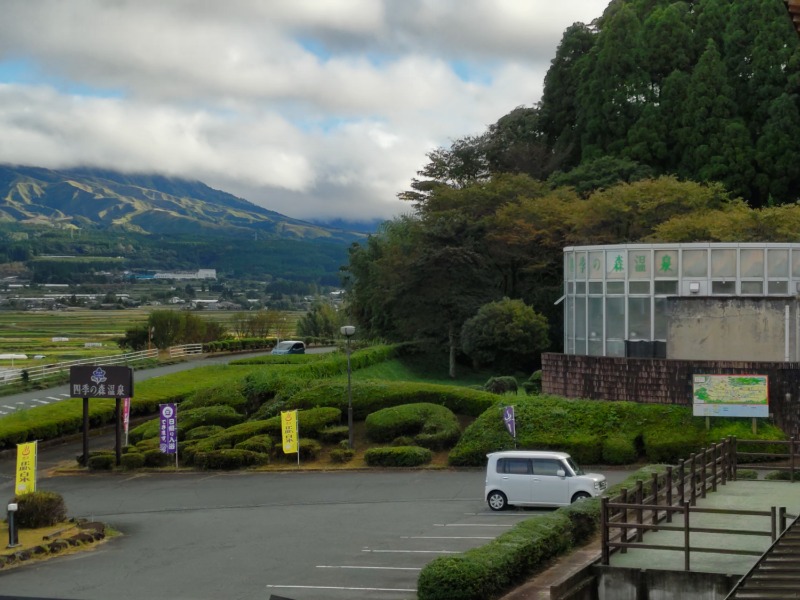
664 381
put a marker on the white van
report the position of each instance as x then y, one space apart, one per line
537 478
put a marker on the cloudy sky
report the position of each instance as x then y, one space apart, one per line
318 109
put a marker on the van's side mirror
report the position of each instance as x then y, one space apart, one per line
561 473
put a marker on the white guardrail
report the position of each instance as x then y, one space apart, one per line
15 374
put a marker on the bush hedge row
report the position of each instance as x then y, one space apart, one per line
492 569
431 425
398 456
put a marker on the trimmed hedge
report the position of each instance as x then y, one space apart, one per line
398 456
101 462
261 444
225 395
590 431
132 460
342 455
221 415
431 425
228 459
40 509
371 396
204 431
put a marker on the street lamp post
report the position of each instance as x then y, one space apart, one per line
348 331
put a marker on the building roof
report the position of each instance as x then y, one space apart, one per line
794 12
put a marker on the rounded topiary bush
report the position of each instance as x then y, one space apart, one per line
228 459
204 431
430 425
216 396
619 450
669 448
334 434
156 458
132 460
101 462
584 449
309 449
40 509
262 444
501 385
342 455
398 456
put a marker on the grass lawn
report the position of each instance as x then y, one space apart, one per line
424 371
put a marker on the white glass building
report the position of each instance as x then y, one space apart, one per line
614 294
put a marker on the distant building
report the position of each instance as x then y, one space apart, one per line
199 274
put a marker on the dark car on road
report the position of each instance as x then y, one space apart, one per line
289 347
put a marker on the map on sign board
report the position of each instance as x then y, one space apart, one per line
730 396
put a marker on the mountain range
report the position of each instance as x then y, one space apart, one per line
89 198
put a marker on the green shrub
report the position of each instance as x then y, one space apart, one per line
262 444
670 446
399 456
101 462
225 395
501 385
204 431
585 449
404 440
228 459
619 450
156 458
132 460
746 474
342 455
309 449
430 425
130 449
334 434
223 416
533 386
40 509
777 475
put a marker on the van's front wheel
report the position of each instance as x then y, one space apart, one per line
580 496
497 500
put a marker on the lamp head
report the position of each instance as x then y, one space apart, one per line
348 331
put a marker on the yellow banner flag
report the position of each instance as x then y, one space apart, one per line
26 468
289 431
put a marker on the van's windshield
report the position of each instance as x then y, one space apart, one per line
575 467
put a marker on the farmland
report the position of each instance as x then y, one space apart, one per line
32 332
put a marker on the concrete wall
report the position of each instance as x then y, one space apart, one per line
664 381
615 583
732 329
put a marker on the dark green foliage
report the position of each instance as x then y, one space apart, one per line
203 431
309 448
334 434
619 450
40 509
218 396
775 475
668 433
341 455
223 416
501 385
132 460
507 335
370 396
101 462
156 458
431 426
399 456
258 443
533 385
229 459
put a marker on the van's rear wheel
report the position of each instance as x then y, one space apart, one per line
497 500
580 496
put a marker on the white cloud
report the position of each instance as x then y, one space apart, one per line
313 109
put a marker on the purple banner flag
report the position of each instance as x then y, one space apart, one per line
169 428
508 420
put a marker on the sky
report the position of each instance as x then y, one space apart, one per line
316 109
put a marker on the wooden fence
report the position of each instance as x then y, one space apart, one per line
650 506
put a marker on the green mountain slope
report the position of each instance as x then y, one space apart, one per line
150 204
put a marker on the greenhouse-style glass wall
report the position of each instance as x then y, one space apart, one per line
614 294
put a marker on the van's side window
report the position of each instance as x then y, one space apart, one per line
514 466
546 466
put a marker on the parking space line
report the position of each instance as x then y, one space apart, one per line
9 407
53 398
378 568
40 401
332 587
